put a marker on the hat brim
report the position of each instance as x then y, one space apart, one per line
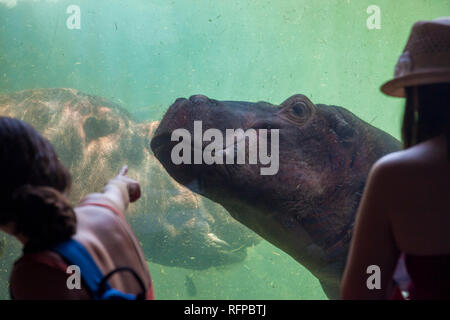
395 87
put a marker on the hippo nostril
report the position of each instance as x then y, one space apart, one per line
199 98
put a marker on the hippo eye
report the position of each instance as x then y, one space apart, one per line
297 112
298 109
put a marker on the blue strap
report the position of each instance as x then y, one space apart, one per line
112 294
75 253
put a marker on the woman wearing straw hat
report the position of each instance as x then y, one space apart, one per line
404 214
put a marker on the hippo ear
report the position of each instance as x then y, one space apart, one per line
298 98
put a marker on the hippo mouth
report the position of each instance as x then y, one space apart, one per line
195 177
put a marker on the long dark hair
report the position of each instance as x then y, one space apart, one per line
427 114
32 187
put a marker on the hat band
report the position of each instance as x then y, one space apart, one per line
424 63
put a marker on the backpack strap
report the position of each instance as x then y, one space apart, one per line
76 254
104 291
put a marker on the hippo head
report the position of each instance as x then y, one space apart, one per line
307 206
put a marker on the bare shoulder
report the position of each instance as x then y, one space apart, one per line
386 168
391 172
428 154
403 179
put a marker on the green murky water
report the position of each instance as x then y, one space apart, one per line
143 54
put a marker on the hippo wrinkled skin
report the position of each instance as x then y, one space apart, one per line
308 207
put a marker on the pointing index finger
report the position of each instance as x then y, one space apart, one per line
123 171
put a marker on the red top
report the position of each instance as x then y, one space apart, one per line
429 277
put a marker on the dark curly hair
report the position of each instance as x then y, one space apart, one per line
32 187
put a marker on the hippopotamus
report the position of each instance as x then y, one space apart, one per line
307 208
94 137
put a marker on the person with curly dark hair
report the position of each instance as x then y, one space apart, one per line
34 208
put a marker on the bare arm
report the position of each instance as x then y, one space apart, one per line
372 242
119 192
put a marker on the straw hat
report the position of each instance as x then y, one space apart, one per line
425 59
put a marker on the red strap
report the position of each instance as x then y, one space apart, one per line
150 295
104 205
397 294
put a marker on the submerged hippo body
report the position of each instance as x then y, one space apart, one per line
94 137
308 207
